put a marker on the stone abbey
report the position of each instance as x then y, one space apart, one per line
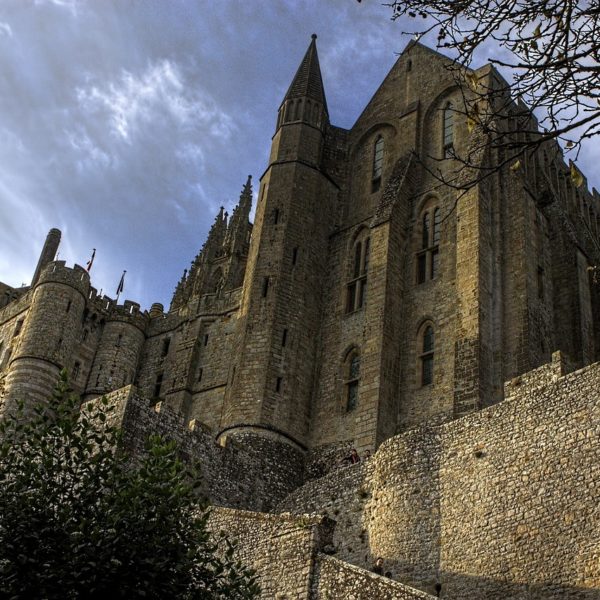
368 306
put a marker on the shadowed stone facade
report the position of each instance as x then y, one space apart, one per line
368 307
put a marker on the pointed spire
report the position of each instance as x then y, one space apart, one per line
307 82
246 196
237 231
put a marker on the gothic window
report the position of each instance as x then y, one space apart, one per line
448 130
315 116
351 379
377 164
428 257
158 385
265 287
18 328
357 285
216 281
289 111
427 342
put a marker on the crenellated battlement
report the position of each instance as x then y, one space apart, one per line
57 272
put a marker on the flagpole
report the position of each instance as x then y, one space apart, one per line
121 286
91 261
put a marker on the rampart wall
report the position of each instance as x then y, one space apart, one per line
499 504
286 551
251 471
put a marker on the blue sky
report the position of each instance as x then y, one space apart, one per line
126 124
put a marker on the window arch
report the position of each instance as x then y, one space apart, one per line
448 130
357 284
428 254
216 281
426 353
351 379
377 163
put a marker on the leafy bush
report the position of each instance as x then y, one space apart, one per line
79 520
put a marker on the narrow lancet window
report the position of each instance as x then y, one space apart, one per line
448 130
357 285
377 164
428 256
352 378
427 356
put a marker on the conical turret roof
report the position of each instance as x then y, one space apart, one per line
307 82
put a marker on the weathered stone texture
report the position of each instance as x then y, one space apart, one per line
336 579
250 471
501 503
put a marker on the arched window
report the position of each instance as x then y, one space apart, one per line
428 255
426 355
448 130
357 285
351 379
216 281
377 164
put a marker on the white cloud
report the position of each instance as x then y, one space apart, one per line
5 30
134 102
71 6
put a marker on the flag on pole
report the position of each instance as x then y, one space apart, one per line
121 283
91 261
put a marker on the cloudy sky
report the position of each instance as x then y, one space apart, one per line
126 124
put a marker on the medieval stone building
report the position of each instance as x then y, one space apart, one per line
366 301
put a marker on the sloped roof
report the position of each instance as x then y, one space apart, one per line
307 82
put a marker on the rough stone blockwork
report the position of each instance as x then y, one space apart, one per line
336 579
252 472
286 552
281 548
499 504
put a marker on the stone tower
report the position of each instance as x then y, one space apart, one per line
271 379
47 334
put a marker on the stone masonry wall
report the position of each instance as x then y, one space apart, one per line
281 548
251 471
336 579
286 552
501 503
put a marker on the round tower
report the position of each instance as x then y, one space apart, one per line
119 350
48 334
271 377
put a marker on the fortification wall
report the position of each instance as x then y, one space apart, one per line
501 503
337 579
281 548
251 471
286 551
